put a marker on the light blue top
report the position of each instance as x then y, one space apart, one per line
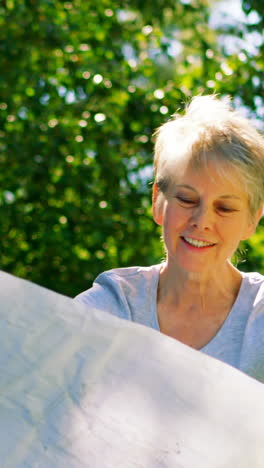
131 294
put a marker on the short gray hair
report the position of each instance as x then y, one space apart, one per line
211 131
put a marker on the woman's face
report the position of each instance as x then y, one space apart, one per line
204 217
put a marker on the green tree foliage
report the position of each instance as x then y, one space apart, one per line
251 92
83 85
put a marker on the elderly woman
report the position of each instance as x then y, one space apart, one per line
208 196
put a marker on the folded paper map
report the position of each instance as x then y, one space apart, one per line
81 388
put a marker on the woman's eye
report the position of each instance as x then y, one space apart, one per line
185 200
226 209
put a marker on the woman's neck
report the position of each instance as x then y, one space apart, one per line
179 287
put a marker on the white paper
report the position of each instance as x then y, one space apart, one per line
80 388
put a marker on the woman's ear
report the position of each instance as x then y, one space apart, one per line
259 215
157 204
253 224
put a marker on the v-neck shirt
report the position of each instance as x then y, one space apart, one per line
131 294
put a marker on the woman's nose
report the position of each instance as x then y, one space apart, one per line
201 218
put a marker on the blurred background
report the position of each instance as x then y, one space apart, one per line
83 86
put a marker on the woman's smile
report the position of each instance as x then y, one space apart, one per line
197 243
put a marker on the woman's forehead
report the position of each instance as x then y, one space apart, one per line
210 175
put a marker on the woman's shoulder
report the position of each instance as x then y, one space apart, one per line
124 292
130 272
119 281
252 351
252 291
253 277
253 283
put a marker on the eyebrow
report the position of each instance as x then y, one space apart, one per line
230 196
221 196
